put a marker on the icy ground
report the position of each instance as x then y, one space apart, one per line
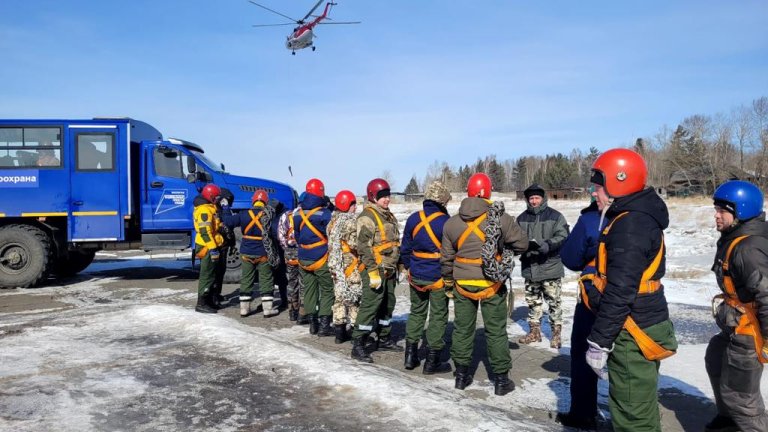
106 353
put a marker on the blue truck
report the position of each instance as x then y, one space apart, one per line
69 188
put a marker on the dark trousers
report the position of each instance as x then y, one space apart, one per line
583 378
211 276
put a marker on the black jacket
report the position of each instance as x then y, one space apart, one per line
632 244
749 265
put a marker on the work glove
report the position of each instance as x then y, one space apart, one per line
448 287
375 282
544 248
214 255
765 352
597 358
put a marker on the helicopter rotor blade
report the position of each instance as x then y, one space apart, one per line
340 22
273 25
312 10
274 11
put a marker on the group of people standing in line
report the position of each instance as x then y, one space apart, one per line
343 267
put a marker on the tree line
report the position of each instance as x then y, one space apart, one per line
692 158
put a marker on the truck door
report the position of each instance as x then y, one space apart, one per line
95 182
170 193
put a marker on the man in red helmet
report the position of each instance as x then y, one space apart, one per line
344 264
258 252
477 253
310 225
378 243
208 244
632 331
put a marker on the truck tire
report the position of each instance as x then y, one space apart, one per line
24 256
234 264
73 262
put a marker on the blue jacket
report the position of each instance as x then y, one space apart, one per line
320 220
426 269
581 245
250 246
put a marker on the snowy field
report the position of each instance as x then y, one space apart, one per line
109 353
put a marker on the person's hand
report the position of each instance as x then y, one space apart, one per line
597 358
448 287
214 255
402 273
224 203
375 278
544 248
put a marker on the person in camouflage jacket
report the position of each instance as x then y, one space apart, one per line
344 264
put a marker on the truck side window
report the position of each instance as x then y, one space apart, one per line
168 164
95 152
25 147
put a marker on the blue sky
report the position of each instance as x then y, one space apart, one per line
417 81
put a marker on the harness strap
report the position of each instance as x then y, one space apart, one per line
377 250
305 222
254 221
355 264
315 265
434 286
255 260
480 295
425 224
473 226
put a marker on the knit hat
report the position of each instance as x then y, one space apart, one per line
534 189
436 191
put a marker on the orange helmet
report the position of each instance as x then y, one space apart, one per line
344 200
620 171
260 195
377 188
479 185
211 192
315 187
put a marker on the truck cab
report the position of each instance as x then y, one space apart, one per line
73 187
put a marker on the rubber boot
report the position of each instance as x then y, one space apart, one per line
555 342
293 314
203 306
533 336
387 344
463 377
341 333
358 350
325 326
502 384
411 355
314 324
245 306
721 424
266 307
433 365
574 421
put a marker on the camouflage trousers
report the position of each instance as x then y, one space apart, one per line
535 295
294 288
344 312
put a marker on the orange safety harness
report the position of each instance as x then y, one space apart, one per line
385 245
748 323
323 240
491 288
650 348
254 221
295 261
355 264
426 226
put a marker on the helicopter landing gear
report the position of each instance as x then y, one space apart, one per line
313 48
293 52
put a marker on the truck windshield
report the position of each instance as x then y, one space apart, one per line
215 166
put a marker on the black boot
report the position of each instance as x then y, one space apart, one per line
358 350
325 326
572 420
341 333
502 384
314 324
463 377
202 305
721 423
293 315
303 319
386 343
433 365
411 355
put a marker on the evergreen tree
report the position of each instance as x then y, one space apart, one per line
412 189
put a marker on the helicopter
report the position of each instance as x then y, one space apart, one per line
303 33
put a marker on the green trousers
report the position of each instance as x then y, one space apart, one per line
633 388
318 290
266 278
494 312
211 273
376 307
434 303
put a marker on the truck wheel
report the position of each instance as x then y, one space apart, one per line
73 262
234 264
24 256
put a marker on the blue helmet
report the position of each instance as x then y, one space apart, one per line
741 198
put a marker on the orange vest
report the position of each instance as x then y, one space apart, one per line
748 323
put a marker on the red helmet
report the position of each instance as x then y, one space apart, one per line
620 171
260 195
211 192
374 188
315 187
479 185
344 200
